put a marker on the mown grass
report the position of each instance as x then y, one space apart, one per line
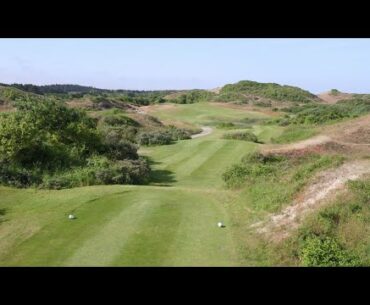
171 222
201 114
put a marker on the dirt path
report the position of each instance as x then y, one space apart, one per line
351 138
324 186
318 140
205 131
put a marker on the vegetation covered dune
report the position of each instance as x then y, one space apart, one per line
268 148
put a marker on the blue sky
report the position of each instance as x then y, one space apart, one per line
145 64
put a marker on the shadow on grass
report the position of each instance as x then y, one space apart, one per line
2 214
160 177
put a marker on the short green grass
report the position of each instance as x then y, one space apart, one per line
205 114
171 222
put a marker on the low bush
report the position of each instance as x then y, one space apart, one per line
326 252
155 138
226 125
100 170
119 120
179 133
163 136
317 114
251 166
244 136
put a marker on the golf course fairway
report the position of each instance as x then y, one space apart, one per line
171 222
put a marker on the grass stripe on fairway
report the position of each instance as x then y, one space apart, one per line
108 242
181 230
171 222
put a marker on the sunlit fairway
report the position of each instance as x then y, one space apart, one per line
172 222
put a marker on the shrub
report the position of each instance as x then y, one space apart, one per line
119 149
100 170
163 136
17 176
49 145
226 125
179 133
334 92
193 96
251 166
326 252
320 114
155 138
269 90
118 120
244 136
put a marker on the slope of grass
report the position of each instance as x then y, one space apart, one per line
203 114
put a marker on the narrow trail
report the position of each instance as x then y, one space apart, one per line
317 140
205 131
350 138
324 186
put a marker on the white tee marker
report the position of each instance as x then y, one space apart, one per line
71 216
220 224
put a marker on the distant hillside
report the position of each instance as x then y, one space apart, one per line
250 90
9 94
72 88
270 95
246 92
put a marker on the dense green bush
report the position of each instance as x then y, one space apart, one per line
251 166
48 134
256 165
269 90
226 125
242 135
193 96
45 143
334 92
316 114
230 96
155 138
178 133
119 120
163 136
100 170
18 176
326 252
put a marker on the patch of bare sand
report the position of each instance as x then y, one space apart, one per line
206 130
282 148
324 186
329 98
